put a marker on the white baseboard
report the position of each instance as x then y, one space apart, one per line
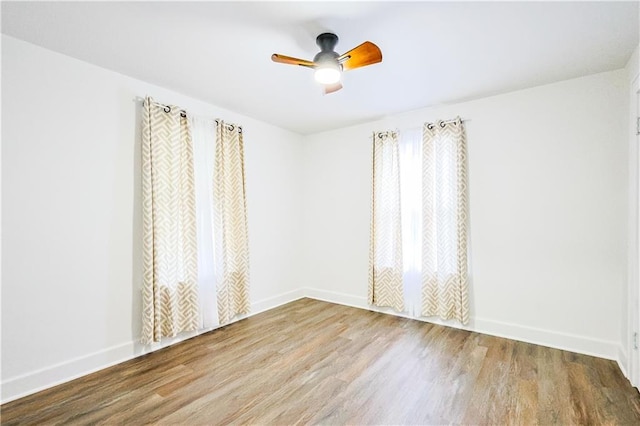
275 301
622 362
32 382
26 384
553 339
17 387
334 297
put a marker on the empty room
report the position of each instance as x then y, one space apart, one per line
369 213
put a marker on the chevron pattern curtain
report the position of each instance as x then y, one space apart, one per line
169 292
230 219
445 214
385 250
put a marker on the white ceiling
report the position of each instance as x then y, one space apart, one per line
433 52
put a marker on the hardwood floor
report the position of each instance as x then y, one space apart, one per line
316 362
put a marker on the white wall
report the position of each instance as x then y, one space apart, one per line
548 213
548 194
630 361
71 221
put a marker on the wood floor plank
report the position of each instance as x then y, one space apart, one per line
312 362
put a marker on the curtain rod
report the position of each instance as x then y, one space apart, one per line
453 120
183 114
428 124
167 108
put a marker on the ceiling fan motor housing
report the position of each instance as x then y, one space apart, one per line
327 41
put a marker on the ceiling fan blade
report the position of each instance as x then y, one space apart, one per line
330 88
365 54
282 59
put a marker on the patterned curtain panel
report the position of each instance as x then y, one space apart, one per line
230 218
445 213
385 253
169 292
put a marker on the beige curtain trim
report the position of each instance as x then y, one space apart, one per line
445 295
230 216
169 288
385 250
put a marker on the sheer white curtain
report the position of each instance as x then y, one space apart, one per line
411 214
434 212
204 147
220 204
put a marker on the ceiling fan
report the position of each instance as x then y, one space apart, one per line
328 65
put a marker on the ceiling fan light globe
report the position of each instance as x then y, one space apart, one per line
327 75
